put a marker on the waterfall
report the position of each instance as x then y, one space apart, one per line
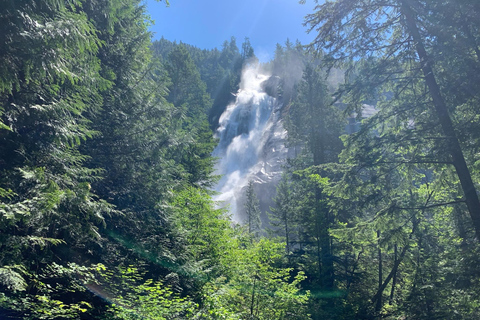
250 143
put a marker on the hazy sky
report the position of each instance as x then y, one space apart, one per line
208 23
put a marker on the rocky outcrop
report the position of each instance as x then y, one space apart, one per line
272 86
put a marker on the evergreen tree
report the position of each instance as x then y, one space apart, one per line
313 120
283 216
49 81
288 64
252 210
406 169
186 90
247 50
391 63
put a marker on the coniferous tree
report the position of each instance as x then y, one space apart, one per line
102 181
252 210
314 125
247 50
391 63
397 178
49 81
283 215
186 88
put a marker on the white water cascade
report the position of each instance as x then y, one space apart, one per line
250 145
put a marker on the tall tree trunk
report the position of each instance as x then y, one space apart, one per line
454 148
319 239
286 234
378 295
378 305
399 260
394 281
324 248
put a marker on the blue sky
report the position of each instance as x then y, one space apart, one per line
208 23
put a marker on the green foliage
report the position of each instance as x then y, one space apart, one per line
303 212
248 51
252 210
282 216
133 297
220 70
257 287
46 295
312 121
11 278
205 229
404 175
188 92
186 89
105 157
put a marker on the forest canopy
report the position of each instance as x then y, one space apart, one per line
106 167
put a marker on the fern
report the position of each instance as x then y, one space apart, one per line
12 277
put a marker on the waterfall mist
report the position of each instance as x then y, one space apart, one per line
246 148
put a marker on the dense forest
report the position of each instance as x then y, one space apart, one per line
107 173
